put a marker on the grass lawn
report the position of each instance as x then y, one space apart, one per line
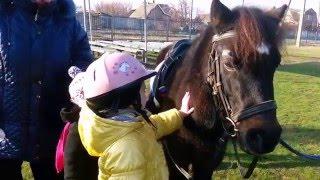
297 91
304 53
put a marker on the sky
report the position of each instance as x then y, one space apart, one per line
204 5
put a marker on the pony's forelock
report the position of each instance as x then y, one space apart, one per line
249 34
254 29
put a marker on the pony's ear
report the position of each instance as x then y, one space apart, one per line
278 12
220 14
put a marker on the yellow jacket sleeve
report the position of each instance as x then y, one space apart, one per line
166 122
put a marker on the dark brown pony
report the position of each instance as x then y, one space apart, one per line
249 61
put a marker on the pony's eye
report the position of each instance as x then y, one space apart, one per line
230 66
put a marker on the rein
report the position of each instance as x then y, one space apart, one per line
298 153
214 79
231 118
290 148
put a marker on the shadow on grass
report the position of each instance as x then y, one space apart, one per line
299 134
269 161
306 68
295 136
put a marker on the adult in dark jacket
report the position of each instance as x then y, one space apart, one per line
39 41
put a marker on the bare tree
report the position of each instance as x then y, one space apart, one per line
181 13
198 19
184 8
114 8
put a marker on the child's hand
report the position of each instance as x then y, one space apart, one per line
185 110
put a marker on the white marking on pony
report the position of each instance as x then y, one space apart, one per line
263 49
226 53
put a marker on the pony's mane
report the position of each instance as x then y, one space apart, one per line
254 27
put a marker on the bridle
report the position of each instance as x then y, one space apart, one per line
214 79
230 119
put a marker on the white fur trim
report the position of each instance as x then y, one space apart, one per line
2 135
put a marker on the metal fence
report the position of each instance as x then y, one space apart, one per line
110 28
308 38
106 27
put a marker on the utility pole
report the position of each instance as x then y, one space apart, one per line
191 11
145 32
90 21
318 25
298 40
242 2
84 15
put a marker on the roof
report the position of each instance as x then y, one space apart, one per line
205 17
310 11
292 17
139 12
94 13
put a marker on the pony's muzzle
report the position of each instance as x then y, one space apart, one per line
261 134
261 142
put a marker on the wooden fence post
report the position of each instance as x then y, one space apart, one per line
141 29
144 56
112 28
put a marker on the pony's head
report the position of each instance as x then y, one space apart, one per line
246 44
247 66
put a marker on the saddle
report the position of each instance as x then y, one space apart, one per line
174 57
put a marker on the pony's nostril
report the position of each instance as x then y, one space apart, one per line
259 141
255 140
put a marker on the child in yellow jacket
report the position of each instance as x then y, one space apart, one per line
113 125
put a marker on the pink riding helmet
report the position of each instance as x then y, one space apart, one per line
113 71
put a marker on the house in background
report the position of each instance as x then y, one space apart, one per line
292 17
205 18
291 22
310 20
154 12
101 21
157 13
